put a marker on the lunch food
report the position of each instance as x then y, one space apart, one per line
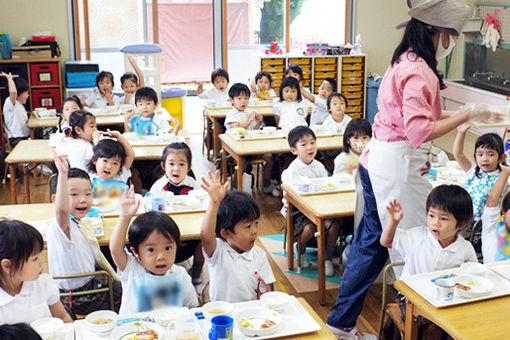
256 323
101 321
144 333
461 286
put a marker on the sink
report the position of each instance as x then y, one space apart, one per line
497 88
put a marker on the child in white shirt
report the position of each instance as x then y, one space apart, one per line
218 93
238 269
70 105
25 294
84 135
320 101
103 96
302 143
130 82
261 87
290 111
15 114
149 277
238 117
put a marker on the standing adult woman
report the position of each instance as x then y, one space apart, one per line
395 160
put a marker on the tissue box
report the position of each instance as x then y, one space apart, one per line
31 52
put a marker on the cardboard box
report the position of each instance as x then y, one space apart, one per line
31 52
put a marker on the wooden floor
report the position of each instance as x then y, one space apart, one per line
271 222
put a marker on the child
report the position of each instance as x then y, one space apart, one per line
104 96
148 123
295 71
15 115
72 244
261 87
302 143
129 83
218 93
321 101
356 137
25 294
70 105
290 111
84 135
238 269
237 117
150 278
337 120
496 222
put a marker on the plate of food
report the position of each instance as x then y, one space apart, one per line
139 330
258 321
106 204
186 202
472 286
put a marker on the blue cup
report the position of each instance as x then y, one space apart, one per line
222 327
158 204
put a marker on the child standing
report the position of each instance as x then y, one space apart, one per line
84 135
104 96
290 111
150 279
321 101
218 93
261 87
238 269
15 115
302 143
25 294
130 82
70 105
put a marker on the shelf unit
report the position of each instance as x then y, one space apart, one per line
349 71
44 79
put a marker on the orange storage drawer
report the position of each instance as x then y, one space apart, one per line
306 68
352 88
352 67
49 98
354 102
352 74
44 74
353 109
272 61
277 76
351 81
300 61
351 95
323 61
306 83
355 115
351 60
322 75
270 68
329 67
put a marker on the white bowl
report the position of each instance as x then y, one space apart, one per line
199 194
48 328
474 268
275 300
213 308
166 315
101 321
269 129
254 321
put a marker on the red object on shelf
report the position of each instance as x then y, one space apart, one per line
48 98
44 74
43 38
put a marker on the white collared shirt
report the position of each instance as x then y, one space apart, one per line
320 110
97 101
343 160
215 95
188 181
234 276
79 153
15 119
291 114
236 116
422 252
333 125
32 302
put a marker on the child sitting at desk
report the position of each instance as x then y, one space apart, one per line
103 96
302 143
70 105
218 93
15 114
238 269
261 86
130 82
72 244
320 101
84 134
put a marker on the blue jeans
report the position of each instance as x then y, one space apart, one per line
366 260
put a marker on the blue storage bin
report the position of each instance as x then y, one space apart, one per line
172 92
80 79
142 48
372 91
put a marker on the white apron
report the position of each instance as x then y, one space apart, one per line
395 170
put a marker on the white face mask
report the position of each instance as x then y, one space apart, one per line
442 52
359 146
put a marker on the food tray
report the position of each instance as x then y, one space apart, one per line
503 110
321 185
422 285
105 112
295 320
261 134
502 268
170 207
154 140
40 115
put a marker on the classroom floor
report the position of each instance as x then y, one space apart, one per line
271 219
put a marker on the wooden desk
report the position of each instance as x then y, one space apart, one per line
247 147
318 208
486 319
213 114
188 222
39 151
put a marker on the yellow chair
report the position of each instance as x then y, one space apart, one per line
391 310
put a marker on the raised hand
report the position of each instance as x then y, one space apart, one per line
6 75
213 186
60 163
395 211
112 133
129 203
463 128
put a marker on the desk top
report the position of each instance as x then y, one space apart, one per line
221 112
486 319
277 145
323 205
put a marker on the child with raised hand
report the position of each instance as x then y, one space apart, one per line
130 82
302 143
104 96
70 105
218 93
25 293
238 269
321 101
84 134
290 111
72 244
149 277
15 114
261 86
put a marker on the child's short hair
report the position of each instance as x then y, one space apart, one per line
78 119
219 72
355 127
238 89
18 241
236 207
293 83
146 93
337 95
149 222
104 74
18 331
453 199
107 148
295 69
177 147
489 141
21 85
297 133
71 173
331 82
261 74
129 76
